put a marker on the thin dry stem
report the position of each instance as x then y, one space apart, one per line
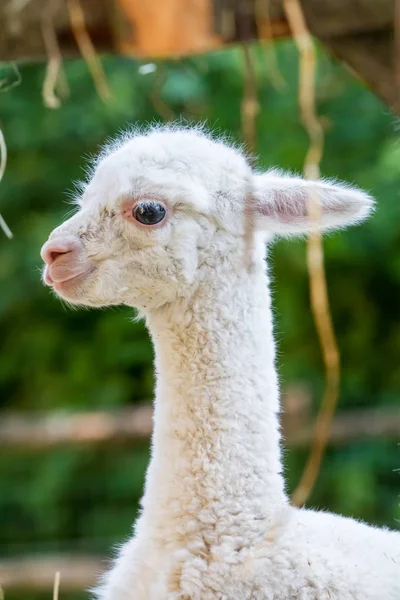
250 105
262 18
315 255
3 163
56 587
397 51
54 61
249 111
249 229
3 82
87 49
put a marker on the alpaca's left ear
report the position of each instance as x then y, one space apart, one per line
281 204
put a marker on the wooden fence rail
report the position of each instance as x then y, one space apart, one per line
60 428
78 573
48 430
36 574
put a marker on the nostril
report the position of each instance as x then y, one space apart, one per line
53 254
53 249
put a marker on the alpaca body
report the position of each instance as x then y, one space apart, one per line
222 528
216 523
306 555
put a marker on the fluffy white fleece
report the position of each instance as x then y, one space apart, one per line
216 523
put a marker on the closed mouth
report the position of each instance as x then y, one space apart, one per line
68 282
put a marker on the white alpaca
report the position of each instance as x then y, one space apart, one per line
161 228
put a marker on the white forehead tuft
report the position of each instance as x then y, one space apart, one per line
185 163
176 146
167 132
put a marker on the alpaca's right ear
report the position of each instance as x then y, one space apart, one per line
281 204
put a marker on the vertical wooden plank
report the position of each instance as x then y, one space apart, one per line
161 28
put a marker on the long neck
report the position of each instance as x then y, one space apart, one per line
215 445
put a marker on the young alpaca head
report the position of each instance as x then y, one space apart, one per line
163 208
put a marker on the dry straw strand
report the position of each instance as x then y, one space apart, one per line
3 146
315 256
249 111
5 86
54 62
56 586
3 163
263 22
55 76
250 106
397 52
87 49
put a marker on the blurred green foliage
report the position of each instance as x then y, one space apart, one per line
84 499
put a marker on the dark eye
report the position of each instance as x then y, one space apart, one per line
149 213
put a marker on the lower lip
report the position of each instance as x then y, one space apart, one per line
62 286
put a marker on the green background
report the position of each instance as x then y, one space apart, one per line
84 499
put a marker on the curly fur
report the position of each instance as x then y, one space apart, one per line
215 521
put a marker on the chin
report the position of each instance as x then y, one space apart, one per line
70 296
83 301
76 291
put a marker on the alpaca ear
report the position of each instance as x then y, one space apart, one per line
281 204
